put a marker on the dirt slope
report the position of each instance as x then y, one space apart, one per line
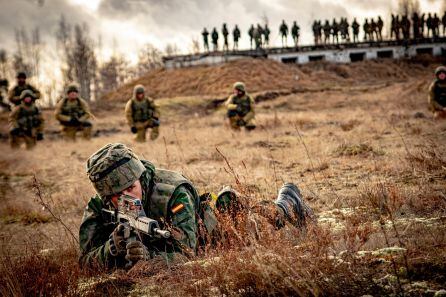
266 75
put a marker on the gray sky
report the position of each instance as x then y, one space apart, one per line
132 23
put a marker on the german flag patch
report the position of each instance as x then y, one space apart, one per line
177 208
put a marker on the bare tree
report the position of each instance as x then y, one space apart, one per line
77 51
149 58
171 49
195 46
408 7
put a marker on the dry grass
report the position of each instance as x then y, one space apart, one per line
373 173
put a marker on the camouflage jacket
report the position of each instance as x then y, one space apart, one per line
168 198
67 109
26 118
140 111
244 105
437 95
14 93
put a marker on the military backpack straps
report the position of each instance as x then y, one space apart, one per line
244 104
166 182
142 111
75 111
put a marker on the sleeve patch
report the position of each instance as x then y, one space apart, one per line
177 208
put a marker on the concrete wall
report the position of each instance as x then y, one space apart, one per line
346 55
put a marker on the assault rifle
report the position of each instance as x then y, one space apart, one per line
131 214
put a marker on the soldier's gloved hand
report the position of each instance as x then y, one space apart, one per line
39 136
117 241
155 122
133 129
74 121
136 251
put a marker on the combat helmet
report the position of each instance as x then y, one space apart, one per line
440 69
239 86
27 93
113 169
138 89
73 87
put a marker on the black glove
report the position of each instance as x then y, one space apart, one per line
155 122
39 136
117 241
133 129
136 251
74 121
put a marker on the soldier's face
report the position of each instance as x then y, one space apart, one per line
72 95
237 92
139 96
134 190
21 81
28 100
442 76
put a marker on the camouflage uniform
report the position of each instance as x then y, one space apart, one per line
14 93
26 122
437 94
172 200
141 115
73 115
241 109
168 197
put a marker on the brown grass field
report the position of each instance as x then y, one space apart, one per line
358 139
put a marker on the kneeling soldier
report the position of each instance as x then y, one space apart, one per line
240 108
142 113
73 113
26 122
437 93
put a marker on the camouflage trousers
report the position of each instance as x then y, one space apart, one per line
439 114
141 129
237 122
69 132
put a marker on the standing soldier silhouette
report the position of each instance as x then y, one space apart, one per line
251 35
284 33
205 35
355 28
225 33
380 25
295 33
214 37
236 34
327 31
266 33
335 31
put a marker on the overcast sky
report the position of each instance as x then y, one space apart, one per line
132 23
